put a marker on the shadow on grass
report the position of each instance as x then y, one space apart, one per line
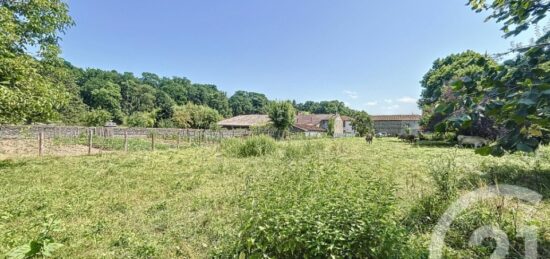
535 178
10 164
434 143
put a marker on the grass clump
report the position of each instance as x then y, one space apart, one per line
249 147
314 210
301 150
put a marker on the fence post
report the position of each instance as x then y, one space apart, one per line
152 141
179 139
90 141
41 143
126 140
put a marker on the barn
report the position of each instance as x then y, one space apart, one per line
312 125
396 124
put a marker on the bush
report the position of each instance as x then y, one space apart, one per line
315 211
141 119
253 146
195 116
165 123
97 117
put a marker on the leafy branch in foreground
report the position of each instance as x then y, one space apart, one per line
43 245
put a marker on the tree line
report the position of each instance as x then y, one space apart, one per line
474 94
36 86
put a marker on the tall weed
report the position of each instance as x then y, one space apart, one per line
314 210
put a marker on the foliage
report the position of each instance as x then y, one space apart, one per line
437 84
165 107
520 101
209 95
243 102
282 116
330 127
315 211
195 116
202 194
97 117
520 14
514 95
324 107
362 123
33 24
43 245
26 95
141 119
253 146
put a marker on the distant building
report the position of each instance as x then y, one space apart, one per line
396 124
320 122
348 126
245 121
311 124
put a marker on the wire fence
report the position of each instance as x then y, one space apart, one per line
17 141
25 141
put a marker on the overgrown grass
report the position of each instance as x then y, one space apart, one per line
300 198
253 146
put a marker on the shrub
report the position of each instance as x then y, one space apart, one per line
141 119
165 123
97 117
314 211
195 116
282 116
253 146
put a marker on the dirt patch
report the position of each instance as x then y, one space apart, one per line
14 148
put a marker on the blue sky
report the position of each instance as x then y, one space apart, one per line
369 54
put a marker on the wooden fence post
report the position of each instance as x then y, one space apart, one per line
126 140
90 141
179 139
41 143
153 141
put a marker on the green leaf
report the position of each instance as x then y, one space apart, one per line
525 148
19 252
527 101
484 151
49 248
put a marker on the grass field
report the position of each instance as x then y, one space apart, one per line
194 202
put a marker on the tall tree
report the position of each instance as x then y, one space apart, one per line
25 94
282 115
517 94
243 102
459 113
362 123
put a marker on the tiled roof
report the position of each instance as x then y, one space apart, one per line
245 120
346 118
312 119
306 122
412 117
306 127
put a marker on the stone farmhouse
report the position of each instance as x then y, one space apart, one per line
312 125
396 124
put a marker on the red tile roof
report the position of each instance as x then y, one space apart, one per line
412 117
